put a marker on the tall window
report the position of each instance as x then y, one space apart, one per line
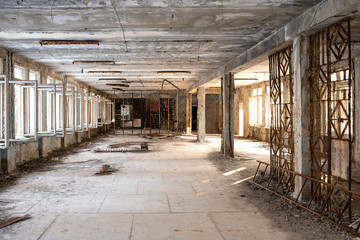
19 74
35 76
255 107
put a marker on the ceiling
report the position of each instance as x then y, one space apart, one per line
141 37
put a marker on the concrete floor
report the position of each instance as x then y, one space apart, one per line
171 192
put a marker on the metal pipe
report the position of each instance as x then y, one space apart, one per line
165 80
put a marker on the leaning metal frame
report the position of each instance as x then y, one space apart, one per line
330 108
321 193
281 96
283 187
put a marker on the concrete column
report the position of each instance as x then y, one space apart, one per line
227 137
64 113
201 117
301 112
356 112
88 112
188 113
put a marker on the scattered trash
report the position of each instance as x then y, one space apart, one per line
144 145
120 150
85 143
355 225
13 220
106 170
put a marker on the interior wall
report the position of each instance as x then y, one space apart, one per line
241 100
19 152
213 113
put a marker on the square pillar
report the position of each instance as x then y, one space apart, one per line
356 112
201 117
188 113
302 162
227 138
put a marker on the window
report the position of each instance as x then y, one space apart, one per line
3 135
35 76
25 103
255 107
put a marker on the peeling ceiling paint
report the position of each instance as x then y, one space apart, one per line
147 36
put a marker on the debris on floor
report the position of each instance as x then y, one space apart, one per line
13 220
120 150
84 144
144 145
106 170
130 147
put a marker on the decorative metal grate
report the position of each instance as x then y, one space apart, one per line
282 187
282 98
330 81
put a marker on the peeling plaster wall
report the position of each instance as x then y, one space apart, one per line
242 96
213 113
19 152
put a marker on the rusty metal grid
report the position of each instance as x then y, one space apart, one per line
330 81
282 187
282 99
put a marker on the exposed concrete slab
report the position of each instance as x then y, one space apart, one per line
69 204
247 226
315 18
165 188
142 37
201 202
174 226
90 226
30 229
135 204
86 206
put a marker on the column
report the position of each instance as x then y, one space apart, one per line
301 113
356 112
201 119
227 138
188 113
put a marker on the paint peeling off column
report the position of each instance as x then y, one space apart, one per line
201 115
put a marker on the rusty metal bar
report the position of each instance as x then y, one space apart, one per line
308 209
258 180
159 97
165 80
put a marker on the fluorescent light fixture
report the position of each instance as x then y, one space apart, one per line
112 79
172 72
110 72
119 89
246 79
93 62
117 85
68 42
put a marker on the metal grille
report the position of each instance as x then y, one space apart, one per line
330 111
281 97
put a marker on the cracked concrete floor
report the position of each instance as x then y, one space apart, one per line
171 192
